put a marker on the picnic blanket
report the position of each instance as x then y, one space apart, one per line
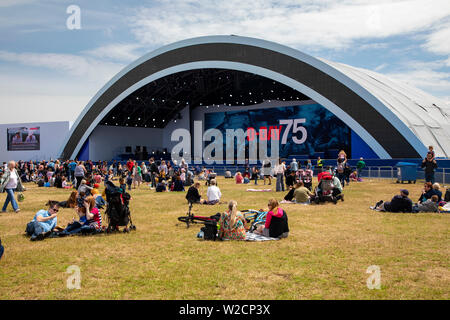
259 190
257 237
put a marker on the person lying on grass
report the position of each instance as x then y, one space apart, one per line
399 203
276 225
232 223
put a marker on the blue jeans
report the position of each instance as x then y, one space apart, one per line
341 177
75 228
10 198
280 182
429 177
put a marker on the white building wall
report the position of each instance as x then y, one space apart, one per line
52 136
106 142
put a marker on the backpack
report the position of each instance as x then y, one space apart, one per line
447 195
209 231
210 228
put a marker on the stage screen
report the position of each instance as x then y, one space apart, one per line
302 130
23 138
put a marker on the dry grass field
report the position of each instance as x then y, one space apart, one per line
326 255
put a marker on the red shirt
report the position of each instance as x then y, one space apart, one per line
270 214
130 165
239 179
97 218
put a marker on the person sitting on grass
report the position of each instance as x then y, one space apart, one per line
337 190
90 220
399 203
95 191
430 205
213 193
437 191
238 178
44 222
232 223
289 197
302 194
161 186
71 202
193 194
178 184
427 192
84 188
276 225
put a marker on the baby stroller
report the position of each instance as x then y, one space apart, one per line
255 217
306 177
324 191
117 210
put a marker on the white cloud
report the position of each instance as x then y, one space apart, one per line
116 51
315 24
439 40
381 66
75 65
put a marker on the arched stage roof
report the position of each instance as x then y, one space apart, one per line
396 121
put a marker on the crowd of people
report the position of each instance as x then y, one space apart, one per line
86 177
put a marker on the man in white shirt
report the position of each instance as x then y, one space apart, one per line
279 170
213 194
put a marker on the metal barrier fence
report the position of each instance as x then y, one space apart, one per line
442 175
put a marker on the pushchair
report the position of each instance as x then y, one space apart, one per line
324 191
255 217
306 176
117 209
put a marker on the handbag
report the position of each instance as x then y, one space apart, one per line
20 197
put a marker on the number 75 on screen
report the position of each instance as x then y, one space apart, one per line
295 125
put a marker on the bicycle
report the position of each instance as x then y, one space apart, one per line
193 219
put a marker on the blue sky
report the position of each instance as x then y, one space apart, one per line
48 72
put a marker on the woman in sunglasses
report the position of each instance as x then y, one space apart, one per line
45 221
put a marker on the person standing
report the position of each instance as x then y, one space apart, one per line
80 172
153 172
360 166
430 165
294 165
319 165
72 166
267 168
9 183
279 172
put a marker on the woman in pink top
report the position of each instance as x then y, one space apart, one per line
239 178
280 228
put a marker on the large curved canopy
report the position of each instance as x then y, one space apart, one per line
357 104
